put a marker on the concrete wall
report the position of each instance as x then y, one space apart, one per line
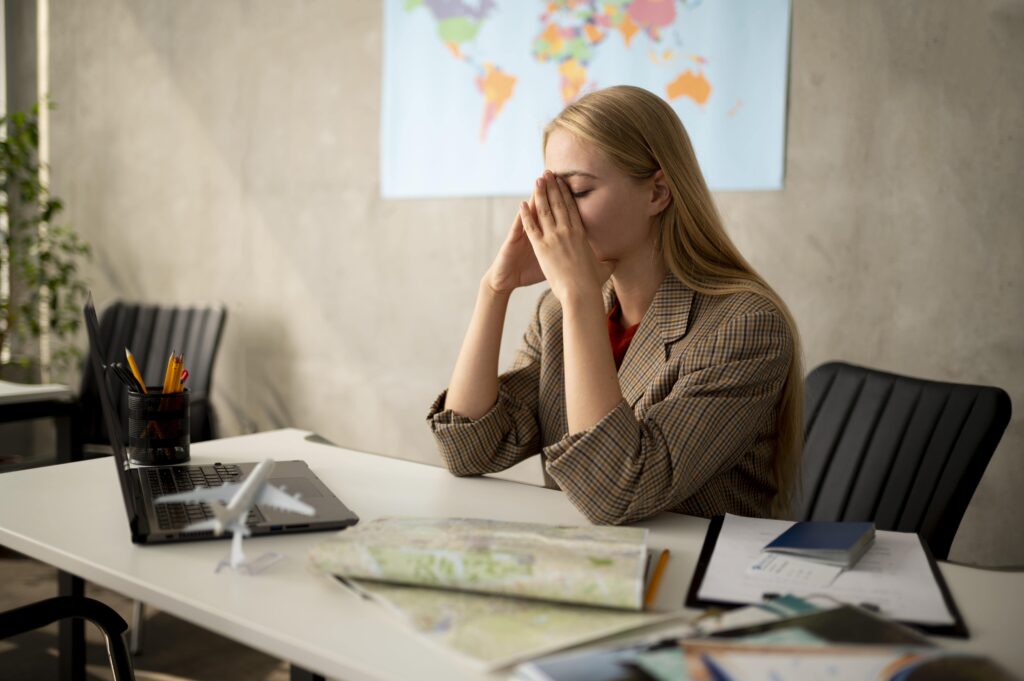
229 151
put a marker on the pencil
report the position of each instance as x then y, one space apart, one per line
169 373
659 570
135 369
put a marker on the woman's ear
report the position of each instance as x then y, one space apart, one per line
661 195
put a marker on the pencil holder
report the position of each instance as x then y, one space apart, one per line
158 427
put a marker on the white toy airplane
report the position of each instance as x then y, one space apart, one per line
230 504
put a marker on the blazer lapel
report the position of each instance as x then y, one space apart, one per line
665 322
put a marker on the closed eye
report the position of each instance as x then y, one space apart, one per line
581 194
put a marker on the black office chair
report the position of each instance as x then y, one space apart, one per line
151 332
42 613
903 452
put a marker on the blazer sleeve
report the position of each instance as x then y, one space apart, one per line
509 432
624 469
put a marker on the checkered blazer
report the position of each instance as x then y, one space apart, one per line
695 432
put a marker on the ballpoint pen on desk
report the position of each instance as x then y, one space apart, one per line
715 672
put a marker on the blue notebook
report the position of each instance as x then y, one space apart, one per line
836 543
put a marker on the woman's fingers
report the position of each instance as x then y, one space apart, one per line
571 208
527 220
516 232
545 218
556 199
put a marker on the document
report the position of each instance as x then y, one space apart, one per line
794 570
894 576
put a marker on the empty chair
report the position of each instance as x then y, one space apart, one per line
903 452
151 332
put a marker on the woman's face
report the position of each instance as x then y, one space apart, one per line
615 208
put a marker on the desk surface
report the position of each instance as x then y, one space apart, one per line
20 393
298 615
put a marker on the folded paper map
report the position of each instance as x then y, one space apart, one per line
497 592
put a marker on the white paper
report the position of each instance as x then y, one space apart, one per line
793 571
893 576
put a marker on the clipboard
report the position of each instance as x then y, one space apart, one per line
956 630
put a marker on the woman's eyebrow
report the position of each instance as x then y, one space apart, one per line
576 173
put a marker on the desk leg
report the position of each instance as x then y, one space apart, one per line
69 438
71 638
65 452
299 674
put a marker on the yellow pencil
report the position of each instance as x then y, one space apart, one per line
652 588
169 373
135 369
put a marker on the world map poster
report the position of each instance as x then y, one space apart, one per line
469 85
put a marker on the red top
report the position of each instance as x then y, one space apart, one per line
619 336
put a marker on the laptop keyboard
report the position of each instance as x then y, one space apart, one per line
174 479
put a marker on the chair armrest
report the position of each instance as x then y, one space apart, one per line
42 613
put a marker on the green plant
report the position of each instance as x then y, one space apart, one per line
42 291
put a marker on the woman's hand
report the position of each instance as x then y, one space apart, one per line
515 265
555 230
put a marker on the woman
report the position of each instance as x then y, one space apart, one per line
660 372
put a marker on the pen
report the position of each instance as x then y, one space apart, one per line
135 370
652 588
714 670
123 375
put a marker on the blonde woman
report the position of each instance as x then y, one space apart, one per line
660 372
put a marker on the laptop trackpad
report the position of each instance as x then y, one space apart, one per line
293 486
307 492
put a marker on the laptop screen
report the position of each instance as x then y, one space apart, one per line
96 353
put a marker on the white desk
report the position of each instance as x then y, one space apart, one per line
21 393
22 402
72 517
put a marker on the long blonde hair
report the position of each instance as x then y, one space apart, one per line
641 134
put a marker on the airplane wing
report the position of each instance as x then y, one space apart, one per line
211 524
275 498
202 494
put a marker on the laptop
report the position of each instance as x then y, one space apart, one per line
152 523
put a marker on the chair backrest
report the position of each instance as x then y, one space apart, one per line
903 452
152 332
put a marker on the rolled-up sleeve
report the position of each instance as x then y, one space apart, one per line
508 432
627 468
